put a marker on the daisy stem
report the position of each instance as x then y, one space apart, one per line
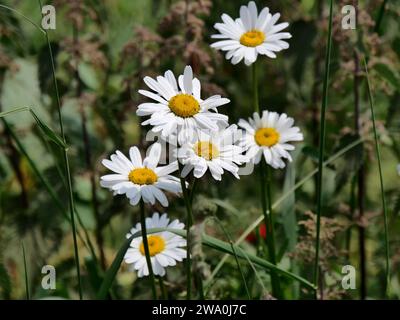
146 249
256 104
163 289
266 203
186 198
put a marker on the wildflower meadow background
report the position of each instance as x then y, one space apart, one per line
268 146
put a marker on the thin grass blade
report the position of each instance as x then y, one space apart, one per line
322 143
384 206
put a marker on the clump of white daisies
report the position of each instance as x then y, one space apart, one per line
201 138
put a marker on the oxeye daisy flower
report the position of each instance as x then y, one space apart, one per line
215 152
141 179
269 136
178 106
251 34
165 247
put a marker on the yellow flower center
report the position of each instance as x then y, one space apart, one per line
142 176
252 38
206 150
266 137
156 245
184 105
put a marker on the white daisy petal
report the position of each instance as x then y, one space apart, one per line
188 80
169 75
135 156
153 96
153 158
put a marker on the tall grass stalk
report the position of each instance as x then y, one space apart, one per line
384 207
360 180
146 249
322 145
66 164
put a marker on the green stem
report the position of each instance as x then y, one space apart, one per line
194 187
266 203
164 293
199 286
384 206
188 205
322 147
28 295
146 249
256 104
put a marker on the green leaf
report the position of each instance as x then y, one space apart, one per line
49 133
112 271
13 111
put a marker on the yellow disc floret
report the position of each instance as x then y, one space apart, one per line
252 38
266 137
142 176
206 150
184 105
156 245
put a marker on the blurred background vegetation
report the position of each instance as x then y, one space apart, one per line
103 49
